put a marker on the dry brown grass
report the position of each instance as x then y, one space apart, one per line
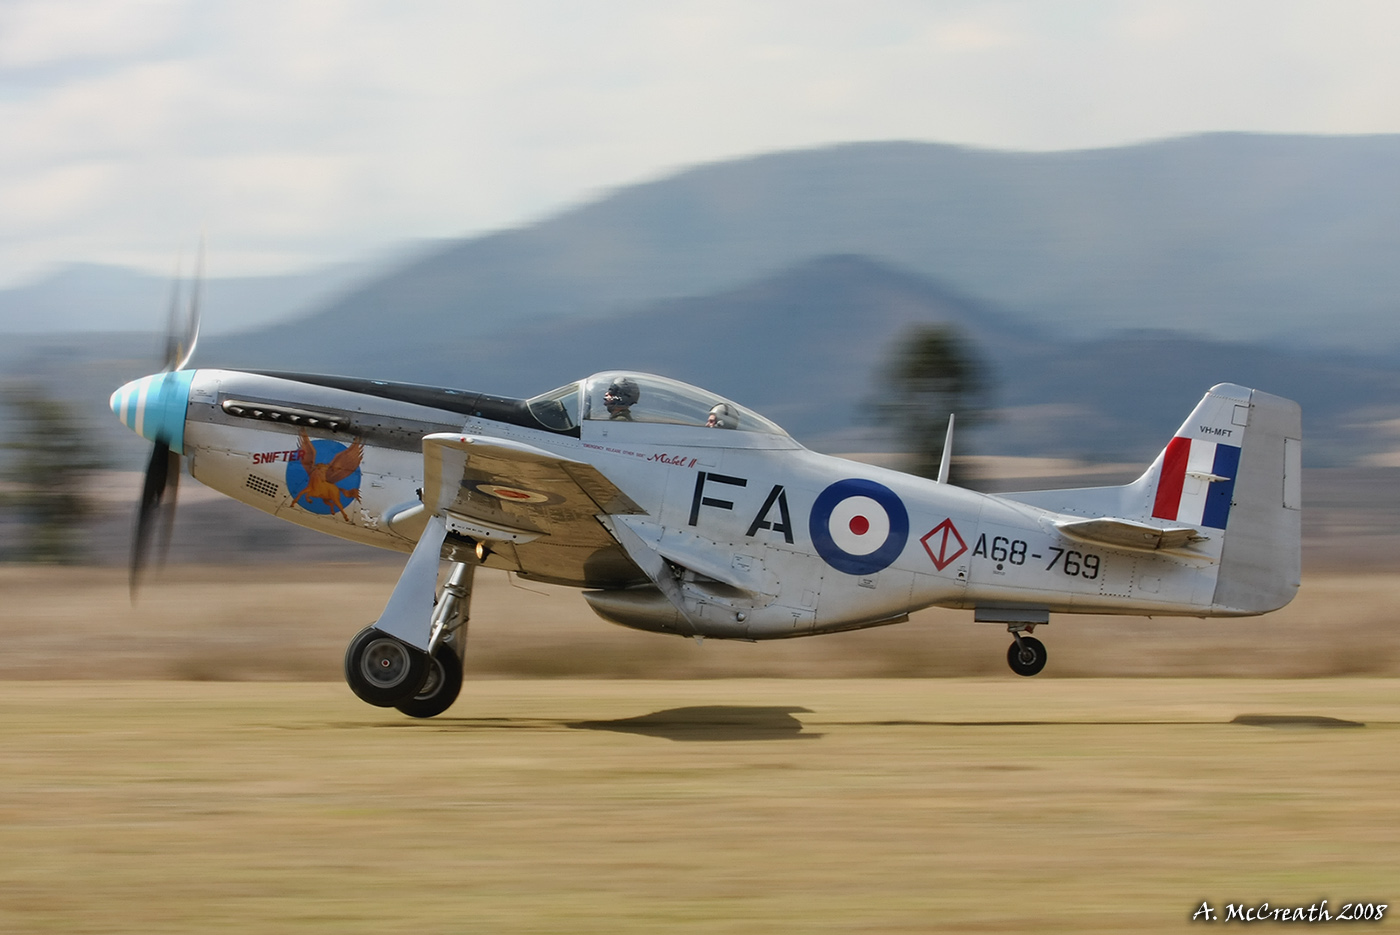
291 622
719 806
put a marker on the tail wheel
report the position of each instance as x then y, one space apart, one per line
1026 656
382 670
443 684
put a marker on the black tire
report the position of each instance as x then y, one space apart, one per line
1027 657
443 685
382 670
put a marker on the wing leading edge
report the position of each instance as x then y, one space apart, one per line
536 511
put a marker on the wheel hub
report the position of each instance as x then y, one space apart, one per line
386 663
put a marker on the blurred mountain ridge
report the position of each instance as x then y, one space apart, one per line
84 297
807 348
1106 289
1235 236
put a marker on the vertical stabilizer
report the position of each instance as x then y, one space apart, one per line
1232 472
1261 564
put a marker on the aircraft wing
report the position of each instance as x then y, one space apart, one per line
537 508
1125 534
505 491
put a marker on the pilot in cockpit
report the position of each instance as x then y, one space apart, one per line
722 417
619 399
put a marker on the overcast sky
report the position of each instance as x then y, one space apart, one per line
306 131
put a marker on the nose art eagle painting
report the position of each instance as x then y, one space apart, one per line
334 482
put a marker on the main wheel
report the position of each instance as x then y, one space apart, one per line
440 690
382 670
1026 657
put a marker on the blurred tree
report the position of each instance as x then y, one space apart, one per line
48 457
933 372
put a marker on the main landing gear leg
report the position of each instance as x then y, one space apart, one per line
387 664
446 646
1027 655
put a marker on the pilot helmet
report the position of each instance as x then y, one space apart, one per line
620 395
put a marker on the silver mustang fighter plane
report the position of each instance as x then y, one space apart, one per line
679 511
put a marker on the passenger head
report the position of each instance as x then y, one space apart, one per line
722 417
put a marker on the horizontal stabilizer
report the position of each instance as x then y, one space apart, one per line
1124 534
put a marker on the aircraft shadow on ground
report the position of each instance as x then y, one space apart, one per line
711 722
700 722
1293 721
769 722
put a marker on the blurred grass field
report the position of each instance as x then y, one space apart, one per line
715 806
291 621
194 763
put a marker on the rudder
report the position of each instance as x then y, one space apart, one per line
1261 564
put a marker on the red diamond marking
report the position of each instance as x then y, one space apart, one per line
943 544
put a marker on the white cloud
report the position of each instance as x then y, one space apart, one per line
55 198
308 130
47 33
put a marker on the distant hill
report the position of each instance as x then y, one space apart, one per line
1287 239
96 297
805 346
1116 398
801 346
784 281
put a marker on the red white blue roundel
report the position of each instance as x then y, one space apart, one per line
859 526
510 494
514 494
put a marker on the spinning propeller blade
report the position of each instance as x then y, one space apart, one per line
155 515
182 334
162 476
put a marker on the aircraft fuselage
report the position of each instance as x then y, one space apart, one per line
769 539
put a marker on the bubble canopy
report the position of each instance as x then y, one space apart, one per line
628 396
